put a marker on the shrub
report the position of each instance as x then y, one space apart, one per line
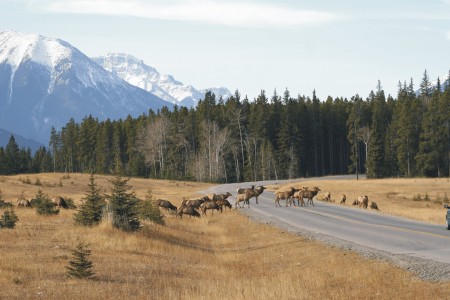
80 265
38 182
9 219
70 203
3 203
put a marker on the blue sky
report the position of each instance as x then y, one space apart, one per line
339 48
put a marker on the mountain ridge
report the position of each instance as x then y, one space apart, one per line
136 72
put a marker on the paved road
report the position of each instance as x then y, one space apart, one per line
364 227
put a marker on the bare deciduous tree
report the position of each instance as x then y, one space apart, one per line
153 143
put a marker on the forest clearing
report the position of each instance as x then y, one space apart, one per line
220 256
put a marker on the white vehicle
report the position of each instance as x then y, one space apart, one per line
448 216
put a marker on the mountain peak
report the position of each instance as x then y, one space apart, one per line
47 81
137 73
16 47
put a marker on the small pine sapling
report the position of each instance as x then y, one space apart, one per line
80 265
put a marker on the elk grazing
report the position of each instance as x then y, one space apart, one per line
343 199
23 203
327 197
166 205
373 205
184 210
285 195
222 203
363 201
59 201
209 205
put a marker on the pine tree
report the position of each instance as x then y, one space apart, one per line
9 219
425 86
375 157
55 147
123 204
12 157
2 161
407 118
45 206
86 143
80 265
149 211
427 158
90 212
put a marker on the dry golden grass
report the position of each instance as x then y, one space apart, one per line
75 186
221 256
393 196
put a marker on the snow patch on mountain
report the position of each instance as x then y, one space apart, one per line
137 73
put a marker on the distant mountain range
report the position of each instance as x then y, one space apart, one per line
20 141
44 82
137 73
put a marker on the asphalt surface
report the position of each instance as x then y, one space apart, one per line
363 227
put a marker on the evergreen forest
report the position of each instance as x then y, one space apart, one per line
271 137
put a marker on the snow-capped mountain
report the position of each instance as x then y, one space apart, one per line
137 73
45 81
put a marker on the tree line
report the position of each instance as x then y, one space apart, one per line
277 137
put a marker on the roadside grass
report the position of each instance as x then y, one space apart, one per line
393 196
221 256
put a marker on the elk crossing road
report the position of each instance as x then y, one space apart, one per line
360 226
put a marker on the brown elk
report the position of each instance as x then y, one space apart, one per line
166 204
310 194
59 202
259 191
363 201
285 195
298 194
373 205
216 197
343 199
209 205
187 211
242 190
327 197
222 203
244 197
202 199
195 203
23 203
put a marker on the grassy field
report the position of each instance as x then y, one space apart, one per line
221 256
